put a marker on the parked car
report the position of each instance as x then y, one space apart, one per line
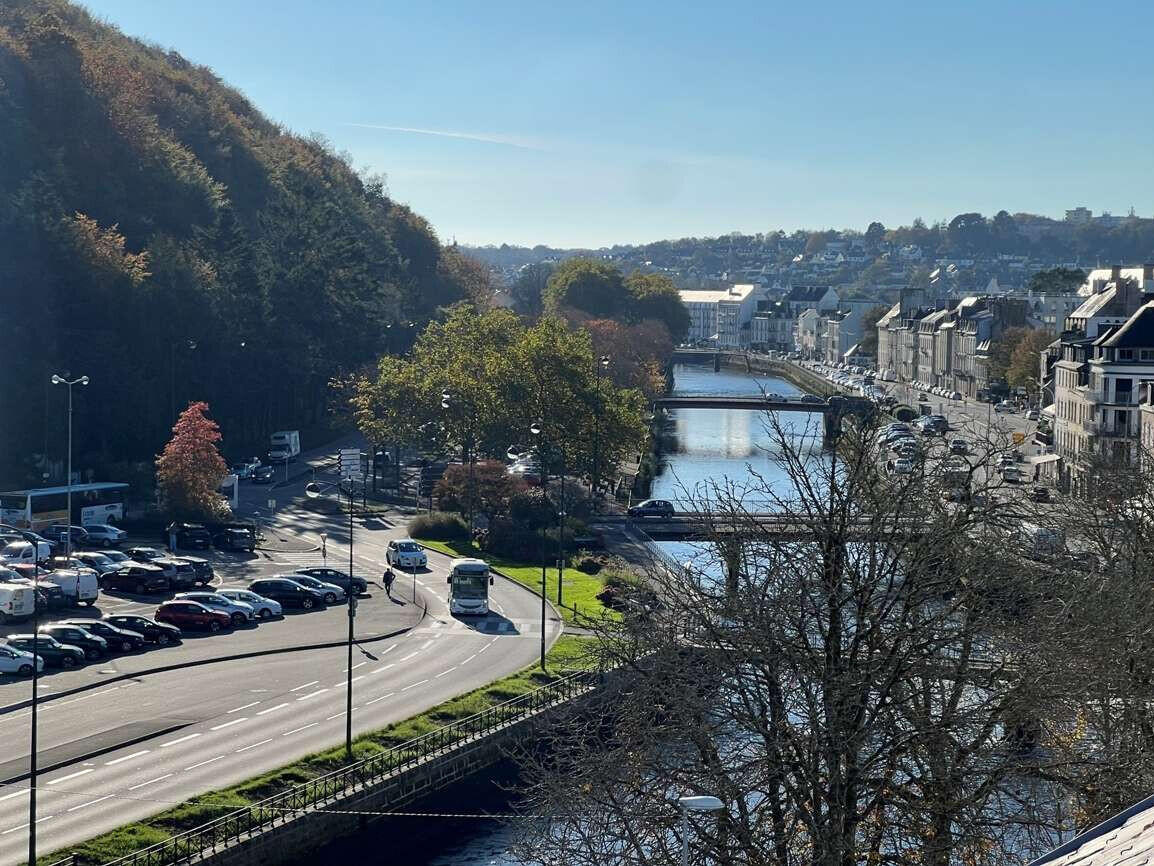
245 468
202 572
239 611
192 614
1013 475
141 578
103 535
145 554
80 586
117 557
190 536
1033 415
54 653
959 446
118 639
94 646
811 398
262 475
59 533
15 661
354 584
1038 493
152 631
659 508
405 553
98 562
266 608
235 538
288 592
329 591
902 466
1005 406
181 573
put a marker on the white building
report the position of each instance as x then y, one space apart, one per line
720 314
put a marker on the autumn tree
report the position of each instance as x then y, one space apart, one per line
190 469
481 488
1025 360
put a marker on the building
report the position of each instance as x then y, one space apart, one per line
772 328
1079 215
720 315
824 299
811 334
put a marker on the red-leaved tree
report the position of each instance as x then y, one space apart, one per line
190 469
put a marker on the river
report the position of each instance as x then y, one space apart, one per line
710 445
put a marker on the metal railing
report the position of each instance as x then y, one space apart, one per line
285 806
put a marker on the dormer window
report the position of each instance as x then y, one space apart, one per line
1125 354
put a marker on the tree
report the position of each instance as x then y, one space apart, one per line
875 234
869 324
190 469
529 288
968 233
637 353
591 286
1025 360
1060 281
482 488
653 296
1002 350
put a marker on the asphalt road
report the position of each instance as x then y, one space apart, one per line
212 725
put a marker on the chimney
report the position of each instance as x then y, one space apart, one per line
1115 273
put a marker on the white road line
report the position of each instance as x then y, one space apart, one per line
414 685
254 745
23 826
305 686
150 781
202 763
72 776
180 740
389 649
383 669
126 758
89 803
229 724
425 646
442 673
334 716
361 664
19 793
344 683
469 659
409 656
272 709
421 583
298 730
381 698
245 707
312 694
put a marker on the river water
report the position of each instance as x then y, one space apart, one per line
710 445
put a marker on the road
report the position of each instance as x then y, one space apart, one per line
203 727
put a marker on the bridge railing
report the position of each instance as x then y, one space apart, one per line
283 807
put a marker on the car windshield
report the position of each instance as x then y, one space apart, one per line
409 547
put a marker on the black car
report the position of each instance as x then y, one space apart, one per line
138 577
235 538
159 633
119 639
190 536
340 578
288 592
94 646
201 569
181 573
263 475
59 533
652 508
54 653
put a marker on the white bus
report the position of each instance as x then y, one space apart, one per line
102 502
469 583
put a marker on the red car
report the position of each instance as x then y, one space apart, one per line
192 614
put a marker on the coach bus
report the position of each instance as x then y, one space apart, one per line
469 583
102 502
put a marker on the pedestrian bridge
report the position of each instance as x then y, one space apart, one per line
775 404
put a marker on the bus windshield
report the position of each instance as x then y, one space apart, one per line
470 584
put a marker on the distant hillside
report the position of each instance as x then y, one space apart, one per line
155 229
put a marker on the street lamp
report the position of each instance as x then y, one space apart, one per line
602 365
536 429
313 491
60 380
693 804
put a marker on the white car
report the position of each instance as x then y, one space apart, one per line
265 608
241 612
902 466
406 553
103 535
14 661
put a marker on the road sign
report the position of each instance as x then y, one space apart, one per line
272 505
352 464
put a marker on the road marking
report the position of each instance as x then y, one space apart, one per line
362 664
72 776
381 698
382 670
414 685
125 758
271 709
424 647
442 673
19 793
254 745
181 740
298 730
89 803
150 781
409 656
469 659
245 707
230 724
305 686
335 716
23 826
390 648
486 646
421 583
202 763
312 694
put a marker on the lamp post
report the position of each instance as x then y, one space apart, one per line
60 380
313 491
693 804
602 365
537 429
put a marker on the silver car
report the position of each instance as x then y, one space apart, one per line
265 608
240 611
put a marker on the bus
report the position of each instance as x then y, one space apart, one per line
102 502
469 583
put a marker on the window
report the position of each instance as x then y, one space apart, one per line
1146 355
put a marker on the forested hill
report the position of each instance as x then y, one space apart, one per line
161 236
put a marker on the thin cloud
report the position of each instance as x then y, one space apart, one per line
487 138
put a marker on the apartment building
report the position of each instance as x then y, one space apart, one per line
720 315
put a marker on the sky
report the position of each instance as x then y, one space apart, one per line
595 123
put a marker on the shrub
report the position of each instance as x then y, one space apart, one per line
588 565
532 509
439 526
485 485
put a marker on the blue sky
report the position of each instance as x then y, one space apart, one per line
587 124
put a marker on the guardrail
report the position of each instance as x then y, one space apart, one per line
283 807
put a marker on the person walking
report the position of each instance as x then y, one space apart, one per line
389 577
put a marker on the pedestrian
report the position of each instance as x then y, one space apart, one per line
389 577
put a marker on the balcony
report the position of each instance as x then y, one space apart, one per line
1109 429
1102 397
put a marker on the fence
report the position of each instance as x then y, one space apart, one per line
282 807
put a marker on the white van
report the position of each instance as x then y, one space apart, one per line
17 601
79 587
25 551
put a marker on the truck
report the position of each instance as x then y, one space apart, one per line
284 445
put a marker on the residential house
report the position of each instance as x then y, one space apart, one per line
772 327
811 334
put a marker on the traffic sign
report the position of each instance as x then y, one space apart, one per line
352 464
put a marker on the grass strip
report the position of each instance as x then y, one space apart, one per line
579 591
567 654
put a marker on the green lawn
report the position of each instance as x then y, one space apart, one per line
578 593
567 654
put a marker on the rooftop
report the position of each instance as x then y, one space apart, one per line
1138 330
1127 837
735 292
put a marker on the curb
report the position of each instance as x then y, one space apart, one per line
179 666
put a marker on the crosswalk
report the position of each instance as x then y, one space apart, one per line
494 625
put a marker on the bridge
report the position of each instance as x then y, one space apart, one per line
768 402
687 526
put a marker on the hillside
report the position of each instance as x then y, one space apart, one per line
160 235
